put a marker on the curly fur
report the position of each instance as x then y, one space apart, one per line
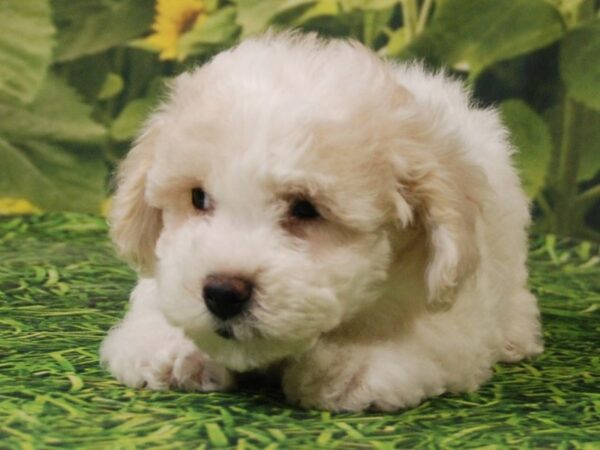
413 283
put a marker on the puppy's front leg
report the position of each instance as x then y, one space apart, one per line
144 350
354 377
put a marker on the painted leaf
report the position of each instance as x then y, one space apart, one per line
319 9
47 151
255 16
584 136
57 114
588 143
51 176
127 124
531 137
91 26
26 41
219 28
397 40
372 5
112 86
580 64
473 34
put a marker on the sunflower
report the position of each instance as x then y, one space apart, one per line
173 19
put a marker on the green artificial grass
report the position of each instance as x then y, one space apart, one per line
61 288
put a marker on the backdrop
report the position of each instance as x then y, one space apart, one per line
77 78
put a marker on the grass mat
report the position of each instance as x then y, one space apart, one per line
61 288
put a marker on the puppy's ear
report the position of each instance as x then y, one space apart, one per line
135 225
445 198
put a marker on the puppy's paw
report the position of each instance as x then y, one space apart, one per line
160 359
516 349
194 371
351 380
523 332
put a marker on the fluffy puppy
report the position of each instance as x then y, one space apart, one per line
302 207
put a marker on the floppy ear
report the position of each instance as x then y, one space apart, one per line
134 224
446 199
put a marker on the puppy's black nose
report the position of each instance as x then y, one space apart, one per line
226 296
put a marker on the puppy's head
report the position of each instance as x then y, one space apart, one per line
265 197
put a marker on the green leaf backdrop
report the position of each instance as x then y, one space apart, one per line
78 78
26 42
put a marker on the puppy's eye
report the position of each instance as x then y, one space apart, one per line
304 210
200 199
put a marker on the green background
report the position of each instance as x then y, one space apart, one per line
61 288
77 79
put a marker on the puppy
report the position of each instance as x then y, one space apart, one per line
302 207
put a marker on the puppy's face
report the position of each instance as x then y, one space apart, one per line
268 194
273 227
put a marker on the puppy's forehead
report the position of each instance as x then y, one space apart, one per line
200 144
265 145
283 111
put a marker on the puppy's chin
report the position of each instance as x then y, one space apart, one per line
238 352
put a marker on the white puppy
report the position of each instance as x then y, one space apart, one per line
302 207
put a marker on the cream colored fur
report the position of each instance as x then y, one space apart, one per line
412 284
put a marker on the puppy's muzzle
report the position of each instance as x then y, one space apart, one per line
226 296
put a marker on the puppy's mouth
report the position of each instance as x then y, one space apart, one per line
237 331
226 332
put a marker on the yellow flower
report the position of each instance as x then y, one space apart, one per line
16 206
173 19
105 206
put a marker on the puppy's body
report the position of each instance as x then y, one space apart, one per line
410 282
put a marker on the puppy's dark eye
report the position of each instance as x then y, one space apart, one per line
200 199
304 210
